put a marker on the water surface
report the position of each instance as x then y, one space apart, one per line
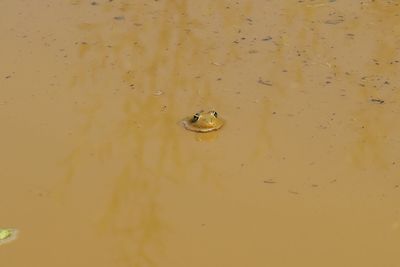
96 171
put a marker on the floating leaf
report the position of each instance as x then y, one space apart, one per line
7 235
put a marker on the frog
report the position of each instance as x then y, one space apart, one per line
7 235
203 122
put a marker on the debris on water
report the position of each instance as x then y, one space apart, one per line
119 17
268 38
269 181
94 3
322 4
158 93
7 235
334 18
264 82
377 100
334 21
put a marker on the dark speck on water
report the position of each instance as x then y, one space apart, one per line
378 101
264 82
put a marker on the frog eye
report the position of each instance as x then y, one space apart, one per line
215 114
195 117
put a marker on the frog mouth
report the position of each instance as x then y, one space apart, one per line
188 125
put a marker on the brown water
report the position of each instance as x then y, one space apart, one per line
96 171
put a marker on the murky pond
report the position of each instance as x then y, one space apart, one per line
96 170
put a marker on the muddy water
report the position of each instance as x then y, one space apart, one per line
96 171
